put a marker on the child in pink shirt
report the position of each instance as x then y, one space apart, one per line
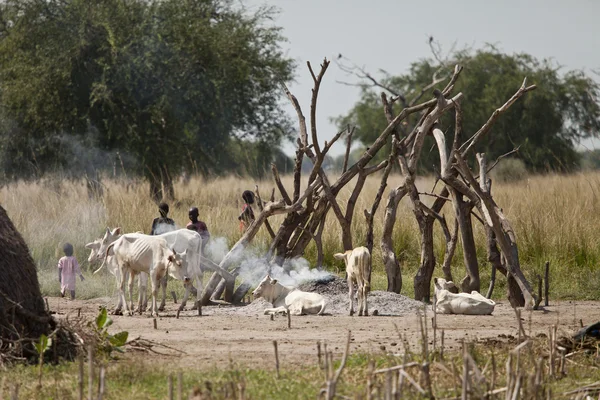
68 269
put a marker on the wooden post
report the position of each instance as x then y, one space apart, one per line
289 318
170 384
199 309
276 358
177 316
546 283
465 377
80 377
101 383
155 323
319 353
15 393
90 372
442 347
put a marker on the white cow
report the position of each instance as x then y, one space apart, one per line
135 253
462 303
113 269
358 269
289 299
179 240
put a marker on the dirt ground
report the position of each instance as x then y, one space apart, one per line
245 335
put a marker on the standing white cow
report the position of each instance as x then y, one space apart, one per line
358 269
289 299
462 303
135 253
179 240
113 269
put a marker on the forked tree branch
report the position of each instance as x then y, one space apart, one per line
313 103
280 186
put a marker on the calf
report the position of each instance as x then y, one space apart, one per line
286 299
462 303
136 253
358 270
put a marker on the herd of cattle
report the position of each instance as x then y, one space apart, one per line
179 253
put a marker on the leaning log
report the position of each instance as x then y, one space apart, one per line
240 292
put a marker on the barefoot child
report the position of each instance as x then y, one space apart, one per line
68 269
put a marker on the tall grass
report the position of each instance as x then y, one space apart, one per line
555 218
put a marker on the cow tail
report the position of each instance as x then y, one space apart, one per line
105 256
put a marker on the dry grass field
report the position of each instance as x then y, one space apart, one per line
556 219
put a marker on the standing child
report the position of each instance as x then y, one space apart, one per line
247 216
68 269
198 226
163 223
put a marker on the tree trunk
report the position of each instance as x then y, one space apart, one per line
155 188
515 295
390 261
462 210
422 279
167 184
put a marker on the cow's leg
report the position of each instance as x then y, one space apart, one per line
359 288
187 286
144 289
131 278
141 294
351 295
154 285
117 310
124 275
281 309
199 289
163 285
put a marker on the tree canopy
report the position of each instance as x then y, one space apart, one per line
173 83
545 126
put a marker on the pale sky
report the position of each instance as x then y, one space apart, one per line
390 34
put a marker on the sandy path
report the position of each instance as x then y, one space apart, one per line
246 335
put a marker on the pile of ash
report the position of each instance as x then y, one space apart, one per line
331 285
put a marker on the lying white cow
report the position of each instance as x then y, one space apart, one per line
288 299
358 269
462 303
135 253
113 269
181 240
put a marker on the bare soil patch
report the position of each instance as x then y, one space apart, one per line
243 334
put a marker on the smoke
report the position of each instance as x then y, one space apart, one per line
216 249
161 228
253 266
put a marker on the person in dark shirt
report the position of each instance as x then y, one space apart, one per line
163 223
198 226
246 218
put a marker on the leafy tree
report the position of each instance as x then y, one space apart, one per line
170 82
546 125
